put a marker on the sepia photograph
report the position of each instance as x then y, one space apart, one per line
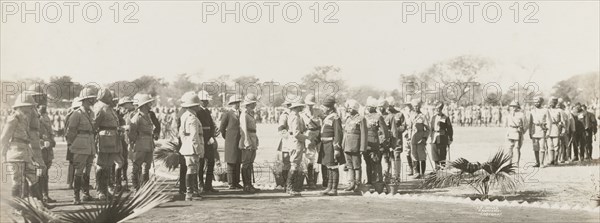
299 111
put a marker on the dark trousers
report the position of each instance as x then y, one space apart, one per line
578 146
588 139
182 175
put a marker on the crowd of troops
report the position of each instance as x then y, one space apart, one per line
109 130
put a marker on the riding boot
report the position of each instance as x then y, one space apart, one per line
201 175
208 185
195 192
335 179
351 181
552 157
85 186
325 172
101 181
410 165
537 158
315 178
285 174
70 175
236 176
230 173
77 181
44 187
16 191
309 175
34 191
292 188
189 186
417 169
369 171
423 167
118 184
245 182
358 174
329 184
250 175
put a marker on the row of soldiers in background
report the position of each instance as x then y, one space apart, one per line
27 145
318 136
559 133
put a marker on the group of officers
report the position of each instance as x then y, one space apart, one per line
559 133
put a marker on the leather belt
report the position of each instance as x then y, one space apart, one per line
19 140
206 128
101 128
84 132
315 129
326 139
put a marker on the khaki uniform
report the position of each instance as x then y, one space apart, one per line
142 145
109 145
516 127
15 148
248 145
297 132
417 133
80 137
354 140
377 133
313 127
556 125
34 138
538 127
192 142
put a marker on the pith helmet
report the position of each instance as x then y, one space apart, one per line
415 102
204 96
538 99
24 100
190 99
142 99
296 104
234 99
87 93
329 101
125 100
382 103
310 99
371 102
75 103
514 104
250 99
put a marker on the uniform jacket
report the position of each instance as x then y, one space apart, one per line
297 132
516 125
418 129
248 137
106 123
331 138
398 126
568 121
34 131
556 122
230 131
355 134
208 125
156 123
377 131
14 137
80 132
282 128
46 131
441 129
312 119
140 132
190 132
539 122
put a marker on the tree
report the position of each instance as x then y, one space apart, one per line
579 88
323 81
62 89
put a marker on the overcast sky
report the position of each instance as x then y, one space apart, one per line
370 43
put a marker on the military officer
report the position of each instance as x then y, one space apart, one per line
406 144
248 141
230 131
555 129
210 144
538 127
377 139
331 152
312 118
141 141
109 146
354 143
417 135
81 142
16 150
515 121
284 142
397 127
440 136
564 152
298 135
192 142
125 113
590 126
71 170
35 134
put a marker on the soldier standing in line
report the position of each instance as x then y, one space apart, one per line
81 142
564 153
590 127
109 146
248 141
441 136
35 134
230 131
332 154
538 127
141 140
125 113
210 145
516 128
71 170
417 135
312 118
48 143
298 134
16 150
192 142
397 127
284 142
555 129
354 143
377 140
406 144
387 153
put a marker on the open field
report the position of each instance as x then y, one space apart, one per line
569 184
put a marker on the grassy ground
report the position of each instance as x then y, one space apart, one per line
567 184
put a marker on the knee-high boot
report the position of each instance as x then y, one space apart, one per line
102 184
189 186
417 169
410 165
423 167
45 190
359 182
324 174
351 180
537 158
77 183
329 184
236 176
335 179
292 188
85 186
309 175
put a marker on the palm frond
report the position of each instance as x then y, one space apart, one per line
169 155
500 162
122 208
465 166
440 179
31 209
